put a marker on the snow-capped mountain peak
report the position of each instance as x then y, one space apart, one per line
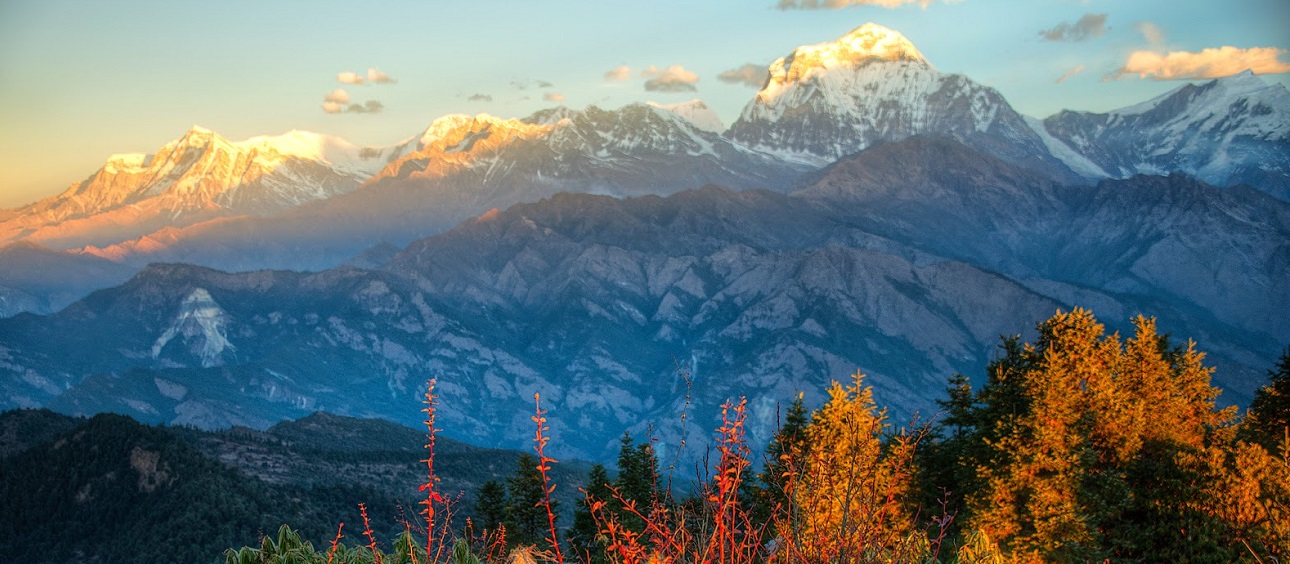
867 43
695 112
194 178
825 101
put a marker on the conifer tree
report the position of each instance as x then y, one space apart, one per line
637 480
1083 448
582 535
526 519
1268 421
786 450
490 505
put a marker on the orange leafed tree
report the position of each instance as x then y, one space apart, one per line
850 489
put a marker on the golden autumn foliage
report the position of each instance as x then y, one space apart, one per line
851 492
1085 448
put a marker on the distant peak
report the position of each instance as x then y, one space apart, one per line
197 136
696 112
867 43
1245 80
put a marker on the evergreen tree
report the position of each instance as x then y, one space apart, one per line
1083 448
490 505
582 535
637 481
784 455
1268 421
525 518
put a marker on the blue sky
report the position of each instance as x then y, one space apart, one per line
80 80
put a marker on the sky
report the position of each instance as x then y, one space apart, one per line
82 80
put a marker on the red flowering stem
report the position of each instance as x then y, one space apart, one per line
334 542
367 531
428 487
544 464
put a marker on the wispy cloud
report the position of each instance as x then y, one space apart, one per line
377 76
672 79
1152 32
1087 27
374 76
479 97
338 101
839 4
1207 63
748 75
618 74
368 107
1070 73
525 84
553 97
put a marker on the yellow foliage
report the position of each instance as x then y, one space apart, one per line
851 493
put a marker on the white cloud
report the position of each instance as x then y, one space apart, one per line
553 97
748 75
349 77
839 4
618 74
672 79
376 76
1087 27
480 97
1208 63
1070 73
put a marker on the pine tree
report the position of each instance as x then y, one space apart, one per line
785 453
1268 421
525 519
1083 448
490 505
637 481
582 535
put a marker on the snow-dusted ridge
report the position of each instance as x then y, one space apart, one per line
1226 131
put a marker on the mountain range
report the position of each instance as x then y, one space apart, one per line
865 212
307 201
